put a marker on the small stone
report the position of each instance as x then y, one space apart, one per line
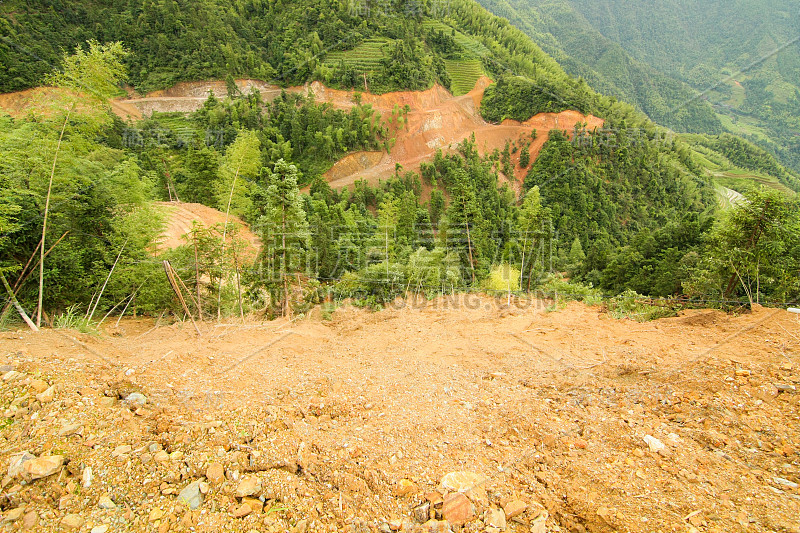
47 395
16 463
404 487
42 467
242 511
606 514
654 444
248 486
155 514
767 392
457 509
136 399
495 518
121 450
100 529
106 503
12 375
434 497
514 508
86 477
437 526
539 524
422 513
39 385
70 429
177 455
161 456
785 483
14 514
254 503
191 495
462 481
30 520
72 521
107 401
215 473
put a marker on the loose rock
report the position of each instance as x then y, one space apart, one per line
514 508
457 509
248 486
72 521
191 495
215 473
42 467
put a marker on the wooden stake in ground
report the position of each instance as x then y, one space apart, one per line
20 310
171 275
44 222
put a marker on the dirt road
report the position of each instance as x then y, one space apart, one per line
566 421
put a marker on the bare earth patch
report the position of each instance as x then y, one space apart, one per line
466 410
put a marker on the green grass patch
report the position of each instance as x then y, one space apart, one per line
741 126
636 307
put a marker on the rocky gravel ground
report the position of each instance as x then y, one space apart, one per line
378 441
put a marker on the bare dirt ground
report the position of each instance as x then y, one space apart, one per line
181 217
358 423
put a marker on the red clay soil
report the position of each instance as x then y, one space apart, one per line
436 120
181 216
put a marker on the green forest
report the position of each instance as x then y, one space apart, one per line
698 67
619 213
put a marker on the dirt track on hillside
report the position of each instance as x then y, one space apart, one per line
351 424
436 120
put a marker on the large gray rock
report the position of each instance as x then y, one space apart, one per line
191 495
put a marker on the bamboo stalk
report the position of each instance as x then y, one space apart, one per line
197 275
23 277
238 281
106 282
20 310
133 296
44 222
224 233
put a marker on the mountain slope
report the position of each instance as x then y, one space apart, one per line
583 51
742 56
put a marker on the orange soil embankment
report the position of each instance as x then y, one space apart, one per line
438 120
181 216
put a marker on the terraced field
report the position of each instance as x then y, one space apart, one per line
741 180
463 75
470 45
366 56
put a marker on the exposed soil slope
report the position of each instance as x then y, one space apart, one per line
181 216
436 120
351 424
